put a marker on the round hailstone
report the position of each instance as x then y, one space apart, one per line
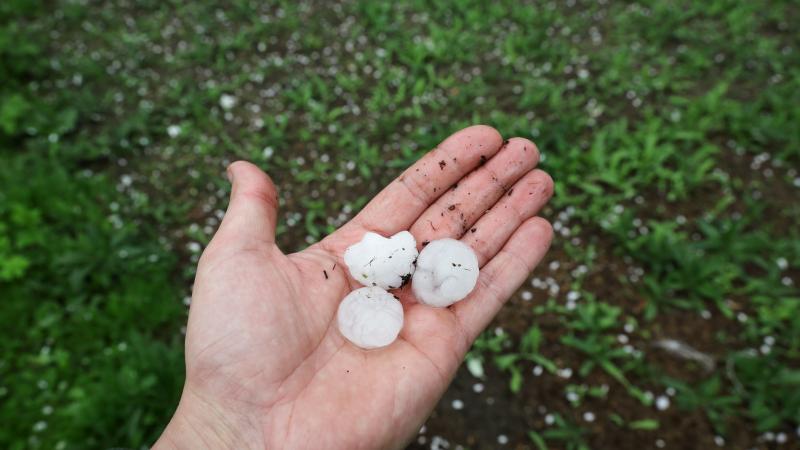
370 317
447 271
387 263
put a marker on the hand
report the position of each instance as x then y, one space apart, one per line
266 366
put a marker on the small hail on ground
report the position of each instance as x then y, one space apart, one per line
662 403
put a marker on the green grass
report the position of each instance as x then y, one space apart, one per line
669 127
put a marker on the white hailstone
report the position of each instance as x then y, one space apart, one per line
662 402
781 438
387 263
527 296
565 373
741 317
174 131
572 396
549 419
227 101
502 439
458 405
538 370
573 296
660 443
477 388
370 317
589 416
782 263
719 440
447 271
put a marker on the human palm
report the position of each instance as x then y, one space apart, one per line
266 364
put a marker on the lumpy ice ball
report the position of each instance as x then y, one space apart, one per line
447 271
370 317
383 262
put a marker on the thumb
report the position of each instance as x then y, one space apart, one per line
253 207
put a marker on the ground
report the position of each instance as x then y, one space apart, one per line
666 315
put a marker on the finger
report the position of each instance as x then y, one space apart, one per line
502 275
398 205
455 212
253 207
523 201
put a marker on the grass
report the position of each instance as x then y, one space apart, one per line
670 129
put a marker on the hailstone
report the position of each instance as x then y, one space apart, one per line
370 317
447 271
387 263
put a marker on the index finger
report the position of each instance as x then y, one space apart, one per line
400 203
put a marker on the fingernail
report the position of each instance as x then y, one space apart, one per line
229 173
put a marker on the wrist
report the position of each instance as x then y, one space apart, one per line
201 424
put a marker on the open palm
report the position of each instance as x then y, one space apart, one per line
266 364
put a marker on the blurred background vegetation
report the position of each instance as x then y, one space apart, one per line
667 314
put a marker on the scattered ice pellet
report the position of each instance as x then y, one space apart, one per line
572 396
573 296
549 419
741 317
565 373
782 263
227 101
475 367
527 296
387 263
671 391
174 131
622 338
781 438
370 317
662 402
629 327
705 314
439 443
447 271
477 388
588 416
660 443
537 370
457 404
719 440
502 439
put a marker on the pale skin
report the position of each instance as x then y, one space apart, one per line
266 366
